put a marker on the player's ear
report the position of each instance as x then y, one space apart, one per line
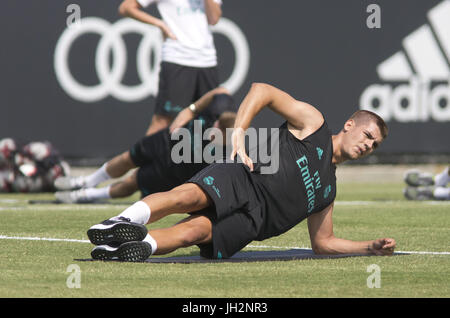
349 124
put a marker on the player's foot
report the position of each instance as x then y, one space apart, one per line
118 230
78 196
415 178
419 193
137 251
70 183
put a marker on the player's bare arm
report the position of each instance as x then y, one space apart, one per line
303 118
213 11
300 115
323 241
132 9
188 113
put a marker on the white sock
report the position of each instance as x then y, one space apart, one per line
97 193
441 179
152 242
442 193
139 212
97 177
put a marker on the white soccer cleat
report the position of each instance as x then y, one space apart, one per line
137 251
416 178
419 193
116 231
78 196
70 183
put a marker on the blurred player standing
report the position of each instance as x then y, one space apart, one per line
189 61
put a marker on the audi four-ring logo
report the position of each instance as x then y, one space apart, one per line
110 76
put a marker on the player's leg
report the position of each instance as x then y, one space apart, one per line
120 165
194 230
84 195
73 183
125 187
114 168
185 198
129 225
87 192
120 189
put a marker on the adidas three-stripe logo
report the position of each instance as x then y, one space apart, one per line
319 152
424 63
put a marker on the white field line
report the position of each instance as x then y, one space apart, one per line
4 237
63 207
10 206
308 248
27 238
390 202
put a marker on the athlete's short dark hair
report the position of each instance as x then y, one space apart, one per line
226 120
365 115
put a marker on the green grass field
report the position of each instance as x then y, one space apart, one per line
38 268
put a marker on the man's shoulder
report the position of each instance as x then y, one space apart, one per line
310 128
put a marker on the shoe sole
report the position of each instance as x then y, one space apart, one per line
64 197
407 195
127 252
414 179
119 233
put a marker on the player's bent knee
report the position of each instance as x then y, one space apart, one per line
196 231
126 160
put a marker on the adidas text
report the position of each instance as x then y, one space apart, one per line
412 102
417 77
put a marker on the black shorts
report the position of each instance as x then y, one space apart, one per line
152 155
236 214
180 86
155 178
164 176
151 149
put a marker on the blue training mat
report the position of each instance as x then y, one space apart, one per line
249 256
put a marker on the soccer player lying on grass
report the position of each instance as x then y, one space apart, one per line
232 204
152 154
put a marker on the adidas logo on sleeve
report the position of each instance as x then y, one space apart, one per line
424 66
